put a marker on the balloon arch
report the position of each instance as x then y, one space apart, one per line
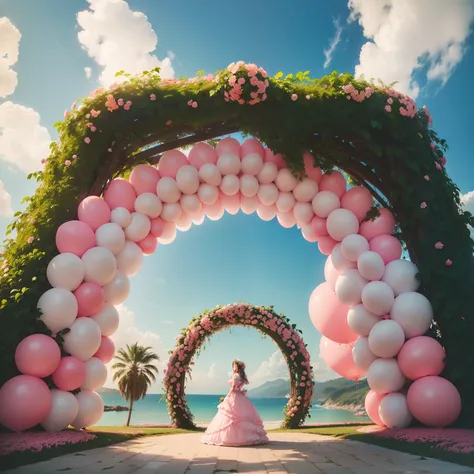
379 314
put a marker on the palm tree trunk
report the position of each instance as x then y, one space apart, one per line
130 412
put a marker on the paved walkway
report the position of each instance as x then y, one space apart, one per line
295 453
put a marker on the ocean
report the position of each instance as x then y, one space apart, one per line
153 410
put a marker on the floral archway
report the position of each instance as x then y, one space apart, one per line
286 336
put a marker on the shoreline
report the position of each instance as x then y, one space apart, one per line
334 406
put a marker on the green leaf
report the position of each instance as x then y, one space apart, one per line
279 75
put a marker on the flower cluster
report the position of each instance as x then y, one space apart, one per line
263 319
246 84
358 96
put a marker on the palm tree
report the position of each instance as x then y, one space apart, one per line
135 373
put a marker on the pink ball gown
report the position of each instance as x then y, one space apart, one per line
237 422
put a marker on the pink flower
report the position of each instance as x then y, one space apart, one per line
294 97
87 140
95 113
308 97
120 102
388 108
241 80
169 122
88 116
152 97
129 103
194 105
426 177
66 114
126 107
93 129
109 150
443 161
448 262
190 103
43 161
432 145
423 205
30 240
74 157
390 101
438 166
67 163
439 245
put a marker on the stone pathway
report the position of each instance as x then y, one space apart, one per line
295 453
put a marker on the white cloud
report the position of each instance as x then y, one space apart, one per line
407 36
329 52
117 38
23 141
171 55
5 202
273 368
88 71
9 45
468 201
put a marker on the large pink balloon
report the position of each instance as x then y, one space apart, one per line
338 357
94 211
358 200
148 244
272 158
202 153
171 162
252 145
230 146
326 244
318 225
106 350
311 171
387 246
90 299
144 179
75 237
434 401
372 403
334 182
120 193
421 356
384 223
329 315
37 355
157 227
25 401
70 374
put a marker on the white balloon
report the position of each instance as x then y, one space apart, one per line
266 213
96 374
121 217
66 270
394 412
130 259
413 312
353 246
100 265
267 194
187 179
268 173
208 194
371 265
190 203
360 320
378 298
118 289
83 340
386 339
107 319
362 355
285 181
230 184
252 164
401 276
171 212
167 190
249 204
286 219
64 409
91 407
303 212
248 185
140 226
305 190
349 287
339 261
149 204
229 164
210 174
384 376
59 308
285 202
111 236
324 203
341 223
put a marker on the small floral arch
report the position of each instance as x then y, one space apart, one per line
285 335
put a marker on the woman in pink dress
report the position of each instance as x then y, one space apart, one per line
237 422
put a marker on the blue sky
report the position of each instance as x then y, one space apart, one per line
238 257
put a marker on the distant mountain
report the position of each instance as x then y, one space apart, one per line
275 389
108 391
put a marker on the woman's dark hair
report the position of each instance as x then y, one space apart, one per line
241 370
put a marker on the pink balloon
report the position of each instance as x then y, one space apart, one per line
120 193
272 158
387 246
252 145
25 401
70 374
372 403
171 162
231 203
338 357
334 182
38 355
90 299
358 200
75 237
94 211
326 244
228 145
434 401
384 223
201 154
421 356
106 350
318 225
144 179
311 171
331 274
329 315
148 244
157 227
309 234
